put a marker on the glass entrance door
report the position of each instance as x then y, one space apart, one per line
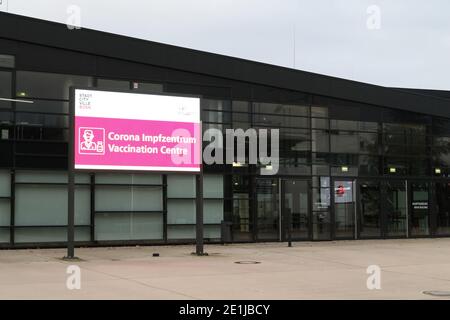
295 209
369 205
396 208
268 217
419 208
344 208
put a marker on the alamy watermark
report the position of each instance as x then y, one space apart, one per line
73 20
73 281
374 280
260 147
373 21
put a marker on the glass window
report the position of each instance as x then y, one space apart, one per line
113 84
368 142
320 112
128 178
280 109
281 121
47 205
345 142
414 129
318 123
344 207
443 207
213 186
181 186
181 211
241 120
44 106
369 165
45 234
148 87
369 210
293 141
441 127
48 85
5 85
124 198
354 125
181 232
216 117
213 211
128 226
5 183
215 105
7 61
44 120
241 106
320 141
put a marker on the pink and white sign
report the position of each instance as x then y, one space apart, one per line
141 132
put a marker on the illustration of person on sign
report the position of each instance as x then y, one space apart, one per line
88 144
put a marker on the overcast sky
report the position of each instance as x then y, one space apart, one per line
411 47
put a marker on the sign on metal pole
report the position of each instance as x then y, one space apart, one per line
133 132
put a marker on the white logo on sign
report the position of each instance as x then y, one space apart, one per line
92 141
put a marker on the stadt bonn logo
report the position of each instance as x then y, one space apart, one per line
91 141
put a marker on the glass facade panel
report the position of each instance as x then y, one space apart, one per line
181 232
279 109
128 226
7 61
46 205
5 85
370 209
113 84
344 208
213 211
148 87
128 198
396 209
44 106
5 212
4 235
180 186
45 234
181 212
443 207
48 85
5 183
419 204
268 209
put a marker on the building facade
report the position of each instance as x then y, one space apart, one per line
357 161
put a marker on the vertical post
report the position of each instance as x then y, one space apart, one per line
290 229
71 182
199 214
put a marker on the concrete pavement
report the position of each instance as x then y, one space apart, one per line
319 270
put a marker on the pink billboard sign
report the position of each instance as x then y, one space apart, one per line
136 132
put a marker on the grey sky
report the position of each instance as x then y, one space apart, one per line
411 49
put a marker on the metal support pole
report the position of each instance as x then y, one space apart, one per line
290 229
71 217
199 214
71 184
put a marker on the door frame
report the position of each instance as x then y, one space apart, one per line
410 205
354 181
284 220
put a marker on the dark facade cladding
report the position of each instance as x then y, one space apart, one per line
356 160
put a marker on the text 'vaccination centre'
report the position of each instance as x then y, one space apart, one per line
356 161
